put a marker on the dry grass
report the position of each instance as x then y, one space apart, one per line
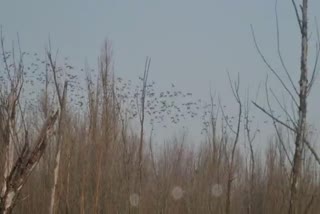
100 159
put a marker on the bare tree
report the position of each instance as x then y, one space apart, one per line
250 138
62 103
235 86
302 118
300 125
20 158
142 115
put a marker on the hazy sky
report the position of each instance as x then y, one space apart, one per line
192 43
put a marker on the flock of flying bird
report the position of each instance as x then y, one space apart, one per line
161 107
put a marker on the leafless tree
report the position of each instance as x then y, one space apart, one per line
21 156
250 136
235 86
62 104
141 109
298 97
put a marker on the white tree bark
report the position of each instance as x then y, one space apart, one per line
23 167
62 101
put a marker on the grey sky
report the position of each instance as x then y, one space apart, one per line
192 43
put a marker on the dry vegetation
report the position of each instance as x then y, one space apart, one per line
86 144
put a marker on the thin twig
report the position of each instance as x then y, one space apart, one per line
316 156
272 117
279 50
271 68
283 108
314 71
297 14
275 124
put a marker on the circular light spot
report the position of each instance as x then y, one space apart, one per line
177 193
216 190
134 199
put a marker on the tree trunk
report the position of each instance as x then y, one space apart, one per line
23 167
54 201
301 132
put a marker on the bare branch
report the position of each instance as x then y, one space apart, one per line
272 117
235 90
316 156
54 71
225 117
270 67
297 14
275 124
24 166
279 50
142 115
314 71
4 55
283 108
